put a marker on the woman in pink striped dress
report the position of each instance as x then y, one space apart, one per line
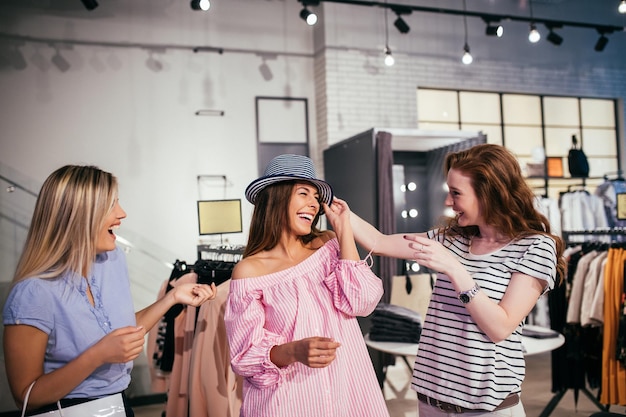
294 297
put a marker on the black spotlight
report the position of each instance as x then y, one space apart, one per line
308 16
401 25
90 4
203 5
554 38
601 43
497 30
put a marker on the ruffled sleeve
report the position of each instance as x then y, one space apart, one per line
355 289
250 343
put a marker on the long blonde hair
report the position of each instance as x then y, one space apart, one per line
69 214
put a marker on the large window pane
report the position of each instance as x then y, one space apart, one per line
521 110
599 142
480 107
598 113
559 140
437 106
561 111
521 139
493 133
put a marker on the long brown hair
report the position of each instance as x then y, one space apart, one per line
269 218
69 213
505 199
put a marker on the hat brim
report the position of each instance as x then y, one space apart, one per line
256 186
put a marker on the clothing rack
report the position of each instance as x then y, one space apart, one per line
221 252
614 231
559 395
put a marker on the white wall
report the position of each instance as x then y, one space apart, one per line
111 110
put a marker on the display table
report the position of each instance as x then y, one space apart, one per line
544 340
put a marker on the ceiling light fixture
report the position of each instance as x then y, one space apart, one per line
401 25
203 5
497 30
622 7
389 59
533 36
554 38
308 16
90 4
467 57
601 43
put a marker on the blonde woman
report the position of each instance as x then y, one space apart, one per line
69 319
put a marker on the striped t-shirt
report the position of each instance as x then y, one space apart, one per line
456 362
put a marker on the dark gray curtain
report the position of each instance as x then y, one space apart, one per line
386 217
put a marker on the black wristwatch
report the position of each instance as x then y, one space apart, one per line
466 296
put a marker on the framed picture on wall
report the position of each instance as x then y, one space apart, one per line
554 165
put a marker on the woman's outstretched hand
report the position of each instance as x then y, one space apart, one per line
194 294
432 254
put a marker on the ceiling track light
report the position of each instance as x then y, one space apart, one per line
203 5
601 43
496 30
90 4
622 7
308 16
554 38
401 25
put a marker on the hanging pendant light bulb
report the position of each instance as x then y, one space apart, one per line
534 36
389 59
467 57
622 7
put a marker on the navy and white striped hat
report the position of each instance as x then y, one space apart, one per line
289 167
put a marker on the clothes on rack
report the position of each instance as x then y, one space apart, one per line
215 390
549 207
613 372
581 210
199 381
593 308
608 192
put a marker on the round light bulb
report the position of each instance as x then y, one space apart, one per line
205 5
467 58
622 7
389 59
311 19
534 36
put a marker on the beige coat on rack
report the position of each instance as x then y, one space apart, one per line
202 383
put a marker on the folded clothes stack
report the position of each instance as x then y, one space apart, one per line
393 323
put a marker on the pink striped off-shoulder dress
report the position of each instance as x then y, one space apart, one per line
321 296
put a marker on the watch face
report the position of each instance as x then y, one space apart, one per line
464 298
